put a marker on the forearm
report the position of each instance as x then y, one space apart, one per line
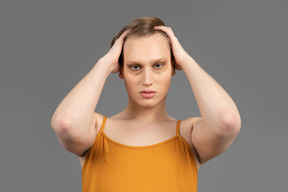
76 109
215 105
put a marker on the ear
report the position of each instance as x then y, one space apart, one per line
173 68
173 71
121 75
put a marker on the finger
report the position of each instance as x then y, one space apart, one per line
117 48
165 29
174 40
124 35
170 34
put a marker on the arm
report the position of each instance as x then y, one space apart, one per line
220 121
73 121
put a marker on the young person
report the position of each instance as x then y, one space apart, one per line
143 148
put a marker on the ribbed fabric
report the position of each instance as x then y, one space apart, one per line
114 167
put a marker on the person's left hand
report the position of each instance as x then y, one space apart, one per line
180 55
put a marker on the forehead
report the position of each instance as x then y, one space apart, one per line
146 48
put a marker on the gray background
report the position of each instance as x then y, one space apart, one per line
47 47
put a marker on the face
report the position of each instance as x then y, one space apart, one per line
147 66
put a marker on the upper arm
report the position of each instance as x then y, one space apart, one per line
78 143
208 143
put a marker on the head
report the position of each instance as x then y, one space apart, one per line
146 61
143 27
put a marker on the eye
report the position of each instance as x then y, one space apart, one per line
158 65
134 67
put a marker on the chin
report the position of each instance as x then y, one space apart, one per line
146 103
149 103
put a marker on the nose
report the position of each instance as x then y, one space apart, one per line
147 78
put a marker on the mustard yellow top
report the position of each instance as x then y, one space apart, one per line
114 167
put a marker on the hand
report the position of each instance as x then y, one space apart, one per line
180 55
112 57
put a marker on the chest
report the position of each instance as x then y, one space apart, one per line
137 134
144 135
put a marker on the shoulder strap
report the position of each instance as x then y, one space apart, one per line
178 127
103 124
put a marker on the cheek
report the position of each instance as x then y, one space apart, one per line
165 75
166 79
163 81
168 76
131 82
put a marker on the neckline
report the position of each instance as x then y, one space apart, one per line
139 147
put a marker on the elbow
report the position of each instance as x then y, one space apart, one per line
61 125
230 124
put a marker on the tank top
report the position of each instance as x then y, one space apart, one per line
165 166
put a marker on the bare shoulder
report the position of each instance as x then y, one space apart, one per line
190 120
97 121
186 129
188 123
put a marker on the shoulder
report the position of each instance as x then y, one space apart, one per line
96 124
187 127
186 130
98 119
189 122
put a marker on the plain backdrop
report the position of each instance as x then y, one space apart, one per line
47 47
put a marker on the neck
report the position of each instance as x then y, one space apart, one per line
146 114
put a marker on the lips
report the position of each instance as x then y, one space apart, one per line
147 94
148 91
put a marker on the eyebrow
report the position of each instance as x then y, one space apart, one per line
129 62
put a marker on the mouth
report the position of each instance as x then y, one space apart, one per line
147 94
148 91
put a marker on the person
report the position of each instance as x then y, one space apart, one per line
143 148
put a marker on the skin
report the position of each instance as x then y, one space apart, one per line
147 65
220 121
74 120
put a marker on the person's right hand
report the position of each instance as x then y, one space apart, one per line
112 57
